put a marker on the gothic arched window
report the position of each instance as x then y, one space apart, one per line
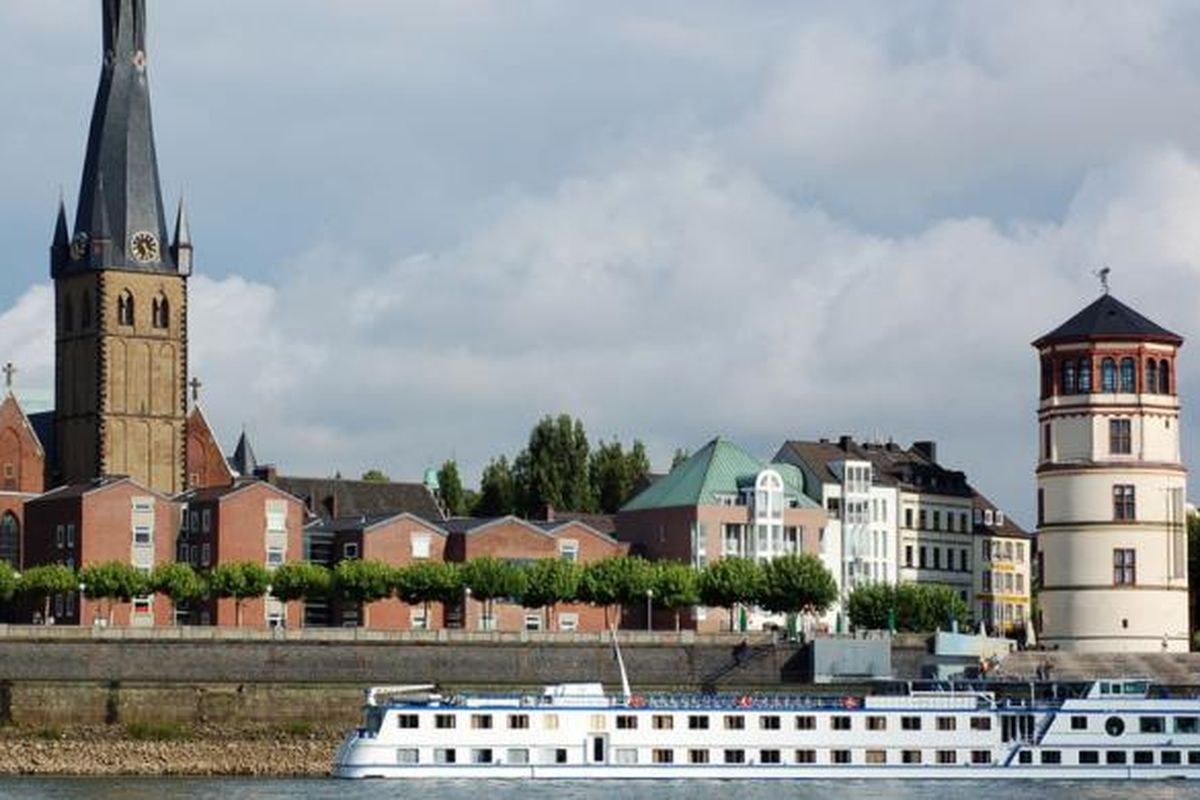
1128 375
1085 376
1164 377
68 320
10 540
1108 375
85 314
161 313
1068 377
1151 376
1047 377
125 308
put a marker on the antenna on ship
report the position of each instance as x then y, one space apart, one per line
625 690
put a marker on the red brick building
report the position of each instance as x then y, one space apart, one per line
206 465
22 475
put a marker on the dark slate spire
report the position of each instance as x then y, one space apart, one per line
243 461
1109 318
60 250
120 189
181 247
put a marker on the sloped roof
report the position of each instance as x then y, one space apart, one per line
352 498
1108 318
720 467
1008 527
243 461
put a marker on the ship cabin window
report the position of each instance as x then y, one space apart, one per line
735 756
520 755
947 723
840 756
1051 756
518 722
445 755
408 721
1187 724
408 755
598 722
1079 723
481 755
981 756
550 722
1194 756
444 722
626 722
1152 724
557 755
806 756
877 723
1089 757
1114 757
910 723
768 723
839 723
662 756
1143 757
481 722
734 722
806 723
662 722
1169 757
981 723
1025 757
877 756
697 756
947 756
769 757
697 722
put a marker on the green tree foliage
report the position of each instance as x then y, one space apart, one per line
797 584
730 582
616 476
552 471
301 580
497 490
451 489
114 582
8 582
375 476
427 582
42 583
491 579
622 580
681 455
550 581
917 607
239 581
177 582
363 583
676 586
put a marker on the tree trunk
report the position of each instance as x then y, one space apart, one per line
677 625
237 612
732 613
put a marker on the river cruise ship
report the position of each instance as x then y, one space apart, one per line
1107 730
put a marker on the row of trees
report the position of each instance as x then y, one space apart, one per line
909 607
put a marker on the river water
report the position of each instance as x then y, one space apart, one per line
229 789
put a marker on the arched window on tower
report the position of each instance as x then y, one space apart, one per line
1068 377
125 308
1085 376
85 313
1164 377
1151 376
1128 375
10 540
161 312
68 320
1108 375
1047 377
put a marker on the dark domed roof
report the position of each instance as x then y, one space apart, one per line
1109 318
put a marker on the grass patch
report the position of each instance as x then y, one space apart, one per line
299 729
48 734
155 732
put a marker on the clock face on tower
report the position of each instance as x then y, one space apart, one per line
144 247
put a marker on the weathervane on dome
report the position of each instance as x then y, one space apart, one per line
1103 274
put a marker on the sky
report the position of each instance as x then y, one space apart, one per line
421 226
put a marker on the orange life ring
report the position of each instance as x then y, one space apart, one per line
637 701
745 701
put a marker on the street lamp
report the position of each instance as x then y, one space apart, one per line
466 608
649 610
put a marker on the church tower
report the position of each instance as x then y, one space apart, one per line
1112 535
121 288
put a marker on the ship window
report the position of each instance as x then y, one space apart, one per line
1187 724
696 722
518 722
769 757
910 723
697 756
806 756
1025 757
1051 756
735 756
662 756
481 722
481 755
1089 757
1079 723
947 756
408 721
1170 757
560 755
520 755
550 722
877 756
734 722
626 722
1114 757
408 755
598 722
768 723
877 723
445 755
1152 724
840 723
981 723
663 722
1143 757
625 755
947 723
806 723
1194 756
840 756
981 756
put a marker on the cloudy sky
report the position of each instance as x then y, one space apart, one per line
420 226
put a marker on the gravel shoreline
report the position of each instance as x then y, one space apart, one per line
287 751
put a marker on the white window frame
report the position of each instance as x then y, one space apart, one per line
143 535
350 551
422 546
568 549
568 622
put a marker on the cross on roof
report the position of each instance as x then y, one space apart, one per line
9 372
196 386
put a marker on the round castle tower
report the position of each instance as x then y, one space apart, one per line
1112 535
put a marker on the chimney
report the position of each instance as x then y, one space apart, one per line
927 449
845 443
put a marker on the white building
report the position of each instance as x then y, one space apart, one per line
1112 532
